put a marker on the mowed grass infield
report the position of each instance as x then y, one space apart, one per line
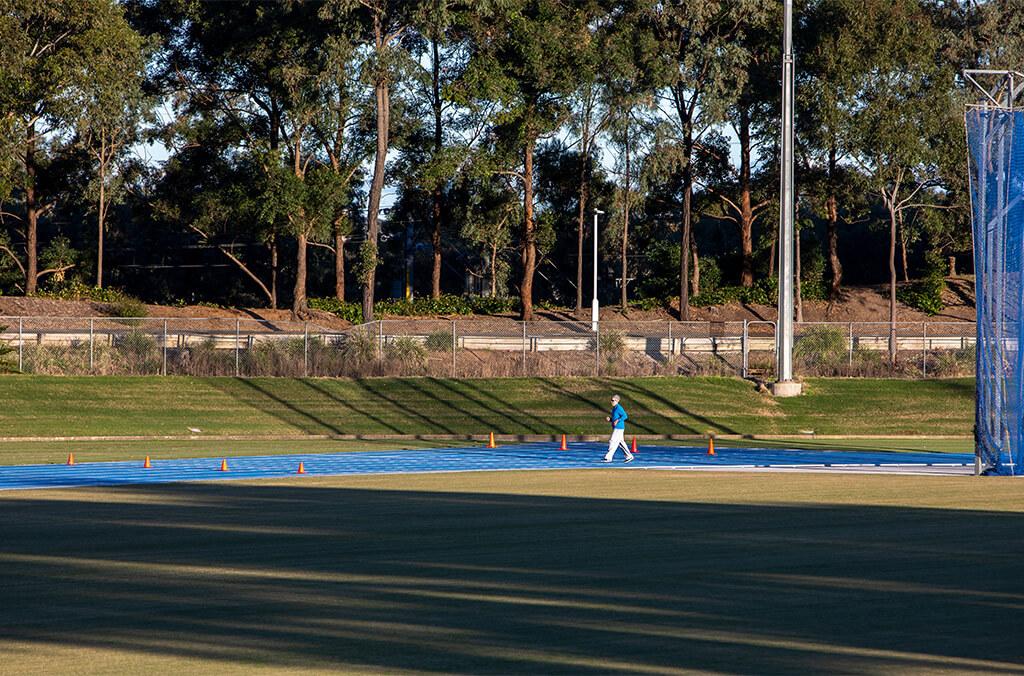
279 415
541 572
592 571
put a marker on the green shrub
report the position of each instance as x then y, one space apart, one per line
447 304
76 290
5 352
406 350
128 307
359 347
492 305
352 312
925 295
647 303
823 347
439 341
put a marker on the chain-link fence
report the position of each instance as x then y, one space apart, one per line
477 348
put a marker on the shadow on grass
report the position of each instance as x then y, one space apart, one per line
282 576
251 393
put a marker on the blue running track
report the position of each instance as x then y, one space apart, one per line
516 457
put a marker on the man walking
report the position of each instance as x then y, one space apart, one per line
618 419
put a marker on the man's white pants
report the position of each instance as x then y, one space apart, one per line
615 442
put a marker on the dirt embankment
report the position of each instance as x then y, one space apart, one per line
857 304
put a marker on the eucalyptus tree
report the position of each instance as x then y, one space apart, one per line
701 64
906 110
52 52
221 68
113 104
526 56
380 30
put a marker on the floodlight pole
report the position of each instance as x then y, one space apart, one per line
595 307
785 386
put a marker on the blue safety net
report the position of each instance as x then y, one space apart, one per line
995 138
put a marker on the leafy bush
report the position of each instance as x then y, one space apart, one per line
439 341
492 305
925 295
406 350
360 347
128 307
822 347
764 292
76 290
352 312
647 303
448 304
5 352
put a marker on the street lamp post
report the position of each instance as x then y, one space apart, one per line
595 307
785 386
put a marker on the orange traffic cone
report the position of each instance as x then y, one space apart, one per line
633 447
302 469
224 465
71 458
490 442
711 445
146 465
563 447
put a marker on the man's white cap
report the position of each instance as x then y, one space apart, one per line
616 397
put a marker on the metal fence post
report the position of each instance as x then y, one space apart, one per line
454 345
744 348
924 349
305 349
21 345
237 330
851 350
597 350
524 347
92 340
671 343
163 370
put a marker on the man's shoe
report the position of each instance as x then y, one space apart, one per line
606 460
629 459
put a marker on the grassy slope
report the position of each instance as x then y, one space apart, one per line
539 572
83 406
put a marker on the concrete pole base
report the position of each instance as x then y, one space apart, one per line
787 388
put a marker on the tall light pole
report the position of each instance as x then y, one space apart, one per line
595 308
785 386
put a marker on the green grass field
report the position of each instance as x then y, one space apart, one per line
91 406
541 572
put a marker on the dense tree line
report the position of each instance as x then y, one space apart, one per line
463 147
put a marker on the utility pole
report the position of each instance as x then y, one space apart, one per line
785 386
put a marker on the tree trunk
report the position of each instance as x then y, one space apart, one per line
31 214
529 254
832 209
695 261
300 308
773 254
892 284
339 263
100 218
903 248
582 215
684 234
623 300
377 185
435 240
798 299
494 270
746 220
273 271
